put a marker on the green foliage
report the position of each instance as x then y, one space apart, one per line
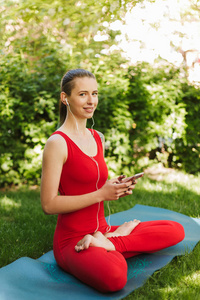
166 126
154 95
188 150
39 46
144 115
146 112
113 118
27 117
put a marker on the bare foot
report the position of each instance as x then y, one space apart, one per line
124 229
95 240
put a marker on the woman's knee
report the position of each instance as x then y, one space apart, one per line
176 232
180 232
104 271
115 278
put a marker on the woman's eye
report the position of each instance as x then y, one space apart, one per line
83 94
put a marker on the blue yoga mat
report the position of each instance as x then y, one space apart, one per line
42 279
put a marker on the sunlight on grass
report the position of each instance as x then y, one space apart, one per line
193 279
172 177
190 280
8 203
187 180
158 187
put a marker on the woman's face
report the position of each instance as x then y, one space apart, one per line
84 97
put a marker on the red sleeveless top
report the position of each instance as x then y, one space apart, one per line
80 175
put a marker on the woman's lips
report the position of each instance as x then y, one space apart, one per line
89 109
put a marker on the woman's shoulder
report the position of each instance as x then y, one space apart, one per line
56 138
55 143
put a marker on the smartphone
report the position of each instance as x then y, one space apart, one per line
133 177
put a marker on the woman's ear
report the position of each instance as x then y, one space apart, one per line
63 98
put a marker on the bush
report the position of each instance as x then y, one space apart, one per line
187 150
27 116
146 113
165 109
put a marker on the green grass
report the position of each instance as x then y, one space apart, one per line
26 231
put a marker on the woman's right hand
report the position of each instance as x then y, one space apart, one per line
113 189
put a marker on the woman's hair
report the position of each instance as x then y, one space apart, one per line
67 85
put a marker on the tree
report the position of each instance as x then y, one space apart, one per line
40 40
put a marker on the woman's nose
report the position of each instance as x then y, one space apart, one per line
90 98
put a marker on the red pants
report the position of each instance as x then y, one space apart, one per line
107 271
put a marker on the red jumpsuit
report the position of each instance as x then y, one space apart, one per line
103 270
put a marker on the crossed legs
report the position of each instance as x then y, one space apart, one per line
101 240
99 260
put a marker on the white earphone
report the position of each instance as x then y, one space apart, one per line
66 101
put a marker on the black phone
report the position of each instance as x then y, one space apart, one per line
133 177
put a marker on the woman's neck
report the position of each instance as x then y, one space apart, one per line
75 126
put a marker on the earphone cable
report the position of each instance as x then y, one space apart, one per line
74 118
98 176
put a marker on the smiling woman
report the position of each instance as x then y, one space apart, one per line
73 164
83 98
68 84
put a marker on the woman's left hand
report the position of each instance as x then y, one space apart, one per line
129 188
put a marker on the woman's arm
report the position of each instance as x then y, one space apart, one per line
54 156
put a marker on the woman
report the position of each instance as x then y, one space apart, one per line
73 164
